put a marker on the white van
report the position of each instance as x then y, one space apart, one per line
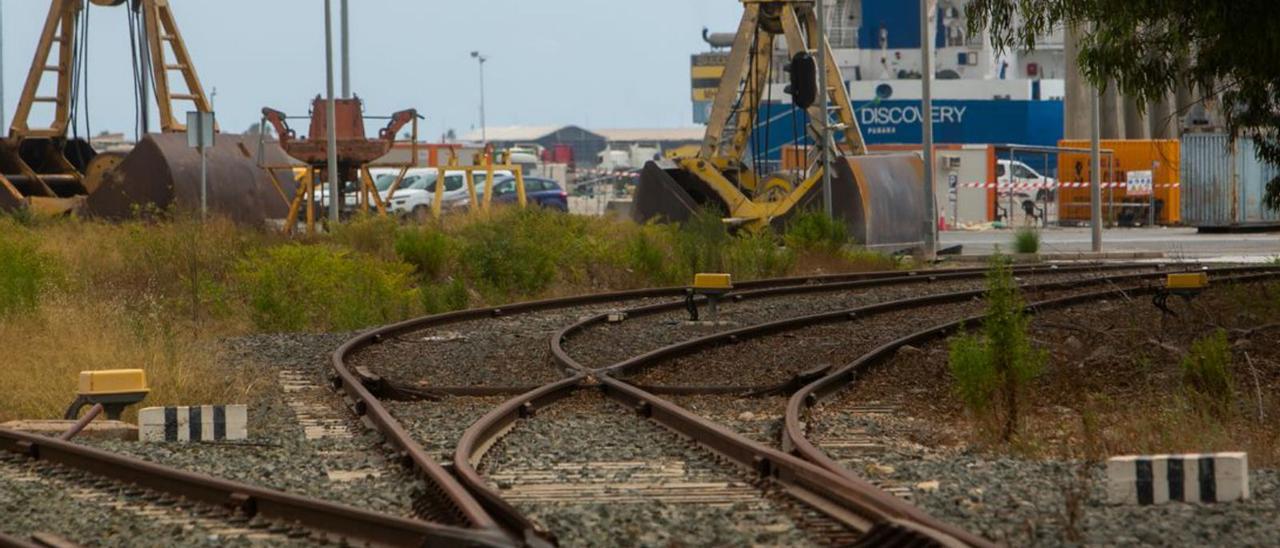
1014 172
417 191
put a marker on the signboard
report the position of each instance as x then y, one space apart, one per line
1140 183
200 129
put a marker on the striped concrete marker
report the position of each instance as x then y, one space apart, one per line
1157 479
195 423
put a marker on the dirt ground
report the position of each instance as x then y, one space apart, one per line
1114 365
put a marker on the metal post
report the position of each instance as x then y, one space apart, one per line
346 51
926 121
204 184
331 110
824 125
483 129
1095 170
2 110
1151 198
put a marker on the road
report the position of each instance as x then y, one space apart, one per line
1174 242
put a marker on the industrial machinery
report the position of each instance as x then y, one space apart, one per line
355 153
52 169
879 197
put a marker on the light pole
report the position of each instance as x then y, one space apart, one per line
926 121
824 124
330 110
484 136
346 51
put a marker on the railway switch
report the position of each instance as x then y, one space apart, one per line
1186 285
711 286
113 389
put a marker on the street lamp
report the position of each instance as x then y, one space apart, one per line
481 59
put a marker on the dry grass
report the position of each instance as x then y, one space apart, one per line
45 353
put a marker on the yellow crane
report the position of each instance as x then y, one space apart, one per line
879 197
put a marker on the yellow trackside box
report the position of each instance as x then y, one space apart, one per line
1195 280
113 381
713 281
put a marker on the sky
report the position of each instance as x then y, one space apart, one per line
594 63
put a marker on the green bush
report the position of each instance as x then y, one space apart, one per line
508 258
1206 373
1026 240
995 366
756 255
700 243
369 233
816 231
444 297
647 258
300 287
429 251
24 273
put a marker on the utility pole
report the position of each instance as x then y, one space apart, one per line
3 127
824 124
331 111
483 129
926 124
346 51
1095 168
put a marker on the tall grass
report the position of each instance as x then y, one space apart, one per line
1206 374
24 272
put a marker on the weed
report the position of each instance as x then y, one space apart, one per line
444 297
646 257
1206 374
700 243
755 255
429 251
375 235
816 231
993 368
1026 240
296 288
24 273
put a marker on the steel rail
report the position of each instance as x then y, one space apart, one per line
794 435
476 503
334 520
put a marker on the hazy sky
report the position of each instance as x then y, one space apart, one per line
598 63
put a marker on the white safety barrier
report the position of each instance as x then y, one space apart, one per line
1157 479
195 423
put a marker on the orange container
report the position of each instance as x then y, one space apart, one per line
1162 157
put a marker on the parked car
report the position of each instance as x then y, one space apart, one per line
538 191
1015 172
418 189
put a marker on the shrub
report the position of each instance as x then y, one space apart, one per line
1206 373
429 251
995 366
646 257
24 272
816 231
755 255
1026 240
296 288
700 243
508 258
445 297
369 233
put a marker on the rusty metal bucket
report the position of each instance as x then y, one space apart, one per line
163 172
881 199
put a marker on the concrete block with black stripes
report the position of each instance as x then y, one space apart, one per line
1157 479
194 423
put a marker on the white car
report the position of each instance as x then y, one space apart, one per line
1018 173
417 191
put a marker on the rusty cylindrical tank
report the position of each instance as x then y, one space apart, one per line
163 172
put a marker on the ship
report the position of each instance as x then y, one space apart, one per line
980 94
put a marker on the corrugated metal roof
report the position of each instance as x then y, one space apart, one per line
513 133
653 134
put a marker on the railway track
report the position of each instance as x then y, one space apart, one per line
762 423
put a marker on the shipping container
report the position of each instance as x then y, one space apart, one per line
1119 206
1224 183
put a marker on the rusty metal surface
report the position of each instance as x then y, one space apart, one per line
353 524
1223 185
163 172
881 199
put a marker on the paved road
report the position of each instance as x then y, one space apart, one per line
1174 242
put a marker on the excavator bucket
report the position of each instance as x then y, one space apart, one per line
880 198
670 194
162 171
